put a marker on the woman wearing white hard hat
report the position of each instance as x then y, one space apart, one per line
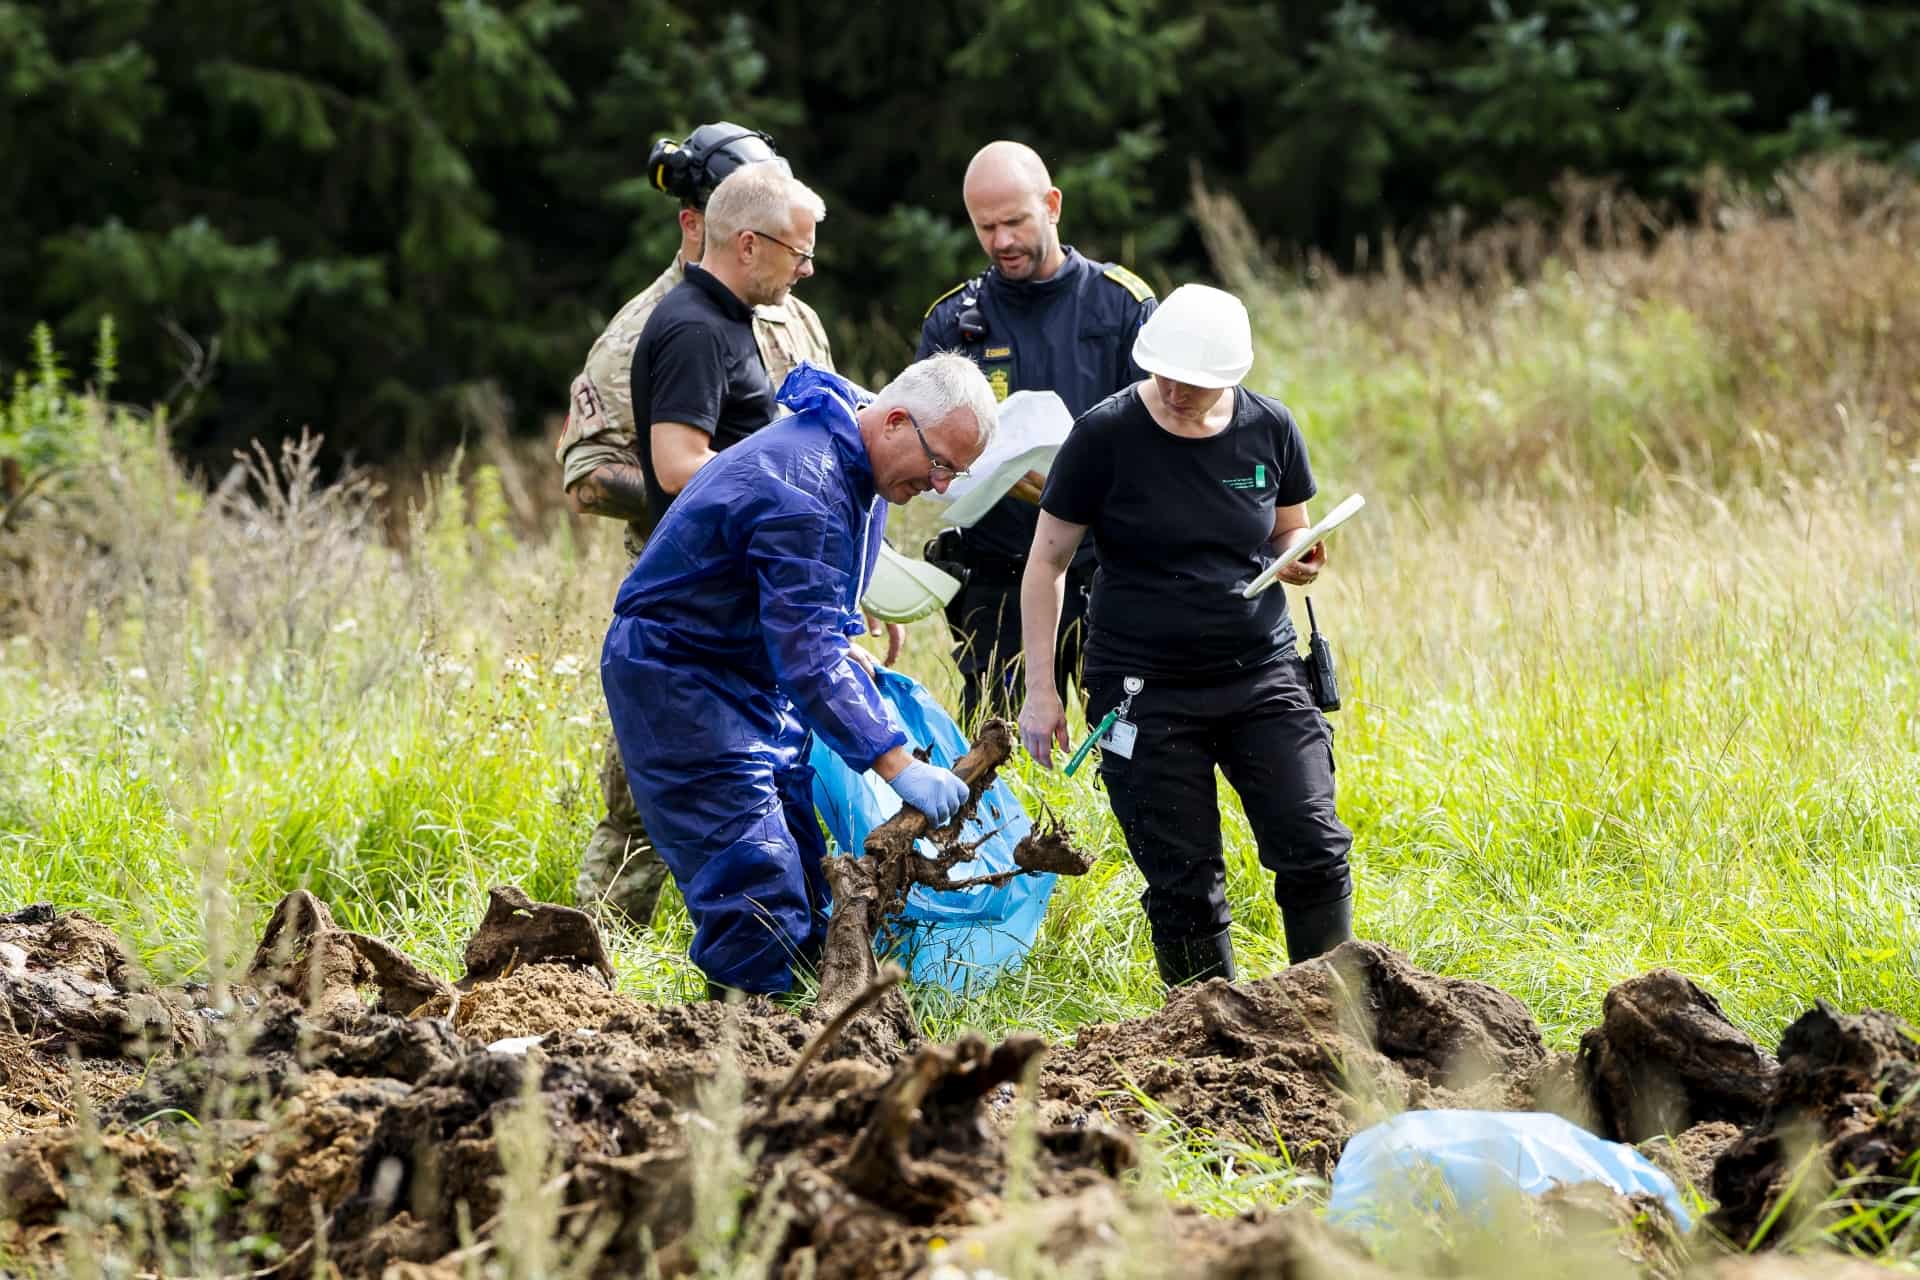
1191 484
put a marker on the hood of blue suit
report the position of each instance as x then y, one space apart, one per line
811 387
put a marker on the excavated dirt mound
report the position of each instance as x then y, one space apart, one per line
345 1103
1309 1055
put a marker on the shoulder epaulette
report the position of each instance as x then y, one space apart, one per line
943 297
1133 284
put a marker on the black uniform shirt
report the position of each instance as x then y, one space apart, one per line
697 363
1181 525
1071 333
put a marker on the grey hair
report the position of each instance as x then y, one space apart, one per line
758 197
933 388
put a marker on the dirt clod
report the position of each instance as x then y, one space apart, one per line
1844 1098
538 999
66 983
1665 1058
305 956
519 931
1688 1158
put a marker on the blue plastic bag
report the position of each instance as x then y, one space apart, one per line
955 938
1392 1166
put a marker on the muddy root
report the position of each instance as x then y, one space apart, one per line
869 891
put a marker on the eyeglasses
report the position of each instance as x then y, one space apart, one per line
940 470
801 254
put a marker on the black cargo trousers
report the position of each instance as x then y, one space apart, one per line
1263 731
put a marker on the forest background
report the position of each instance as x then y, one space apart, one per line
395 220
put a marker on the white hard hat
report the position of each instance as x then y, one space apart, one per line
906 590
1200 336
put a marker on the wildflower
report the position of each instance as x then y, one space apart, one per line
346 625
568 665
521 667
136 673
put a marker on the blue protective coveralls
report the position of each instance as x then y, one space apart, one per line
729 644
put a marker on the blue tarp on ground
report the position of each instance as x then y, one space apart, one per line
957 939
1458 1160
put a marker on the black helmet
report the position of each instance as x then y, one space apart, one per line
691 170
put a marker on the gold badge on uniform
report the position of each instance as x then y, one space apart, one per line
997 364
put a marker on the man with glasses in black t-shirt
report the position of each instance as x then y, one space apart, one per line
687 369
698 380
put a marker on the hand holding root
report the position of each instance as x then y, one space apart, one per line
869 891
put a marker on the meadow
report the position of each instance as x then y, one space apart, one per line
1628 635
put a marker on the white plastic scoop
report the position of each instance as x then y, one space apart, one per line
1328 523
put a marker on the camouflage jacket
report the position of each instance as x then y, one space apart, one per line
600 427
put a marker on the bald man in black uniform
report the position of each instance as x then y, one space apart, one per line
1041 317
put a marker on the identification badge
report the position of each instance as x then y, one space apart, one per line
1125 733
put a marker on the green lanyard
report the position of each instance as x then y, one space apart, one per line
1080 756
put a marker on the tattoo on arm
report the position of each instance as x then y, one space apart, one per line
614 489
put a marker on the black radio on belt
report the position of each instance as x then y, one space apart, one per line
1320 673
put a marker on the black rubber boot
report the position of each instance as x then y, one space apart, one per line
1195 959
1314 931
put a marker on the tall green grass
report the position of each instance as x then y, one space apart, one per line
1629 644
1596 724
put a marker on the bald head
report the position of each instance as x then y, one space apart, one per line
1004 167
1015 210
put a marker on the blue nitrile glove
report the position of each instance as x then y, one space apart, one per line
934 791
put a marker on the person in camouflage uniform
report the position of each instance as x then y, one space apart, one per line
600 462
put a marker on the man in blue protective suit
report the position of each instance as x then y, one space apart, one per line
1042 317
732 642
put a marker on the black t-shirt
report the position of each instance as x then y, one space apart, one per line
1181 525
697 363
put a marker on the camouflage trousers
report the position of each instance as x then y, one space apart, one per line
619 867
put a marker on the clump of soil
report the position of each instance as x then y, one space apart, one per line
1310 1054
1665 1058
1847 1093
345 1101
538 999
305 956
1689 1157
67 983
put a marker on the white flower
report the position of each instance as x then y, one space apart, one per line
568 665
136 673
521 667
345 625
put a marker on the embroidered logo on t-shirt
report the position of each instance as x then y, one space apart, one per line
1258 480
